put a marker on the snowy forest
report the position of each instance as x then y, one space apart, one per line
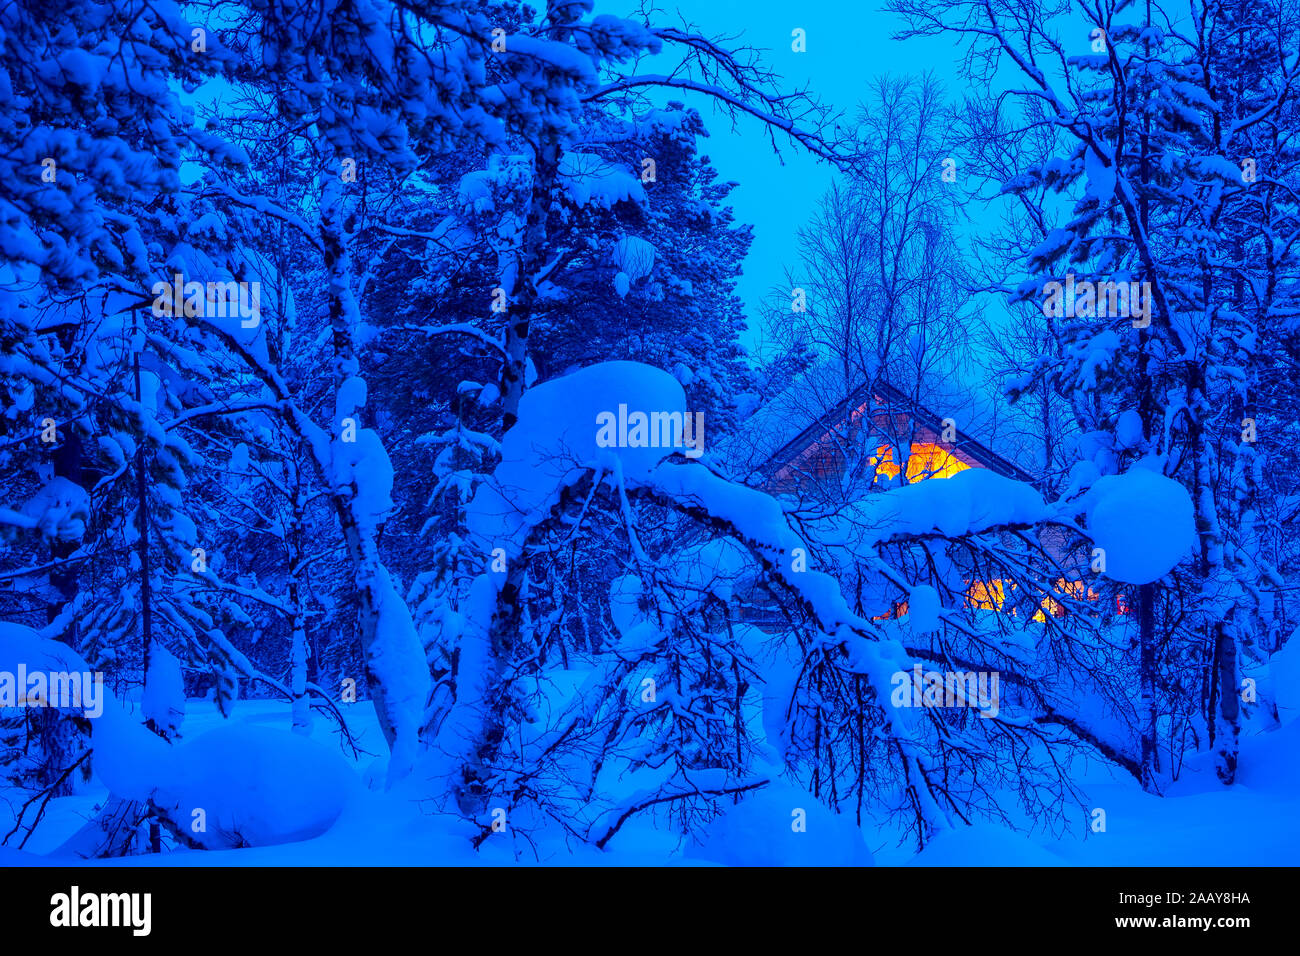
411 453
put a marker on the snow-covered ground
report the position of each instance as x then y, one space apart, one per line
1197 822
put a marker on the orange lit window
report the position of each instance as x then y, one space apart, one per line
986 595
925 461
1050 605
991 595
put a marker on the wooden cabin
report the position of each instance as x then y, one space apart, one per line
871 431
892 426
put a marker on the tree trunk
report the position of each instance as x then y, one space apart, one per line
1147 679
297 600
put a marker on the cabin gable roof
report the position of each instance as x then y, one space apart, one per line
965 448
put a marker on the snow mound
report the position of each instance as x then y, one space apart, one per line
255 786
556 438
21 644
761 831
1143 522
1278 683
983 845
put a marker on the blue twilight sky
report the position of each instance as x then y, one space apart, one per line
848 44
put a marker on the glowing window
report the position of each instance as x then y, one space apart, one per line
925 461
